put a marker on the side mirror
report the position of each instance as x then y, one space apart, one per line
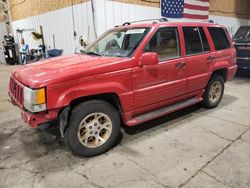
149 58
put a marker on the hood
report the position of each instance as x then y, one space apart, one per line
64 68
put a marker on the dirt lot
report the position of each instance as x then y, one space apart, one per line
191 148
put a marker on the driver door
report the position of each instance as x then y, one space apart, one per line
154 85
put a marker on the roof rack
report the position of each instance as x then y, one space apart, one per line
209 21
154 21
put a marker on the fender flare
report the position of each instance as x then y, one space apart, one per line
86 90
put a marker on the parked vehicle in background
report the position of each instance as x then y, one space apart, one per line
131 74
241 42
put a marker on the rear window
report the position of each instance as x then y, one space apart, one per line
219 37
243 34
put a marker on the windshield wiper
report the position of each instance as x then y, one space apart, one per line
83 52
90 53
93 53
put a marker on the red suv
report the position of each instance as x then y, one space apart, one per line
132 74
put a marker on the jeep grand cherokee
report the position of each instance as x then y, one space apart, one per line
132 74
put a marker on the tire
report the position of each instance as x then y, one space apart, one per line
215 87
94 128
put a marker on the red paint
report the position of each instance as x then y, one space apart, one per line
194 16
196 7
35 119
140 89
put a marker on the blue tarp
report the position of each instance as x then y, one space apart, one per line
54 52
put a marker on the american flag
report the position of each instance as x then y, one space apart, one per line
191 9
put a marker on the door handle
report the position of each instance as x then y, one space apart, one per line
180 65
211 58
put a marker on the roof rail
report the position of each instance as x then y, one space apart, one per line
209 21
155 21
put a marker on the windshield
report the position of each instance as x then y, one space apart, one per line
120 42
243 34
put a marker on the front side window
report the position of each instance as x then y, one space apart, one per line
192 40
120 42
165 42
219 38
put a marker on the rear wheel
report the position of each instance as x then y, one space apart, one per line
214 92
94 128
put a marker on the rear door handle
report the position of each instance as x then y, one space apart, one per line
180 65
211 58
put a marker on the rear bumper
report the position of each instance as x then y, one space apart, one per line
231 72
39 118
243 63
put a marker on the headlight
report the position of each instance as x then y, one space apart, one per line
34 100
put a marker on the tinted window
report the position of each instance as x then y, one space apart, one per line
165 42
219 38
205 44
243 34
192 40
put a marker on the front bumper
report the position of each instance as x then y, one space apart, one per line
35 119
38 118
243 63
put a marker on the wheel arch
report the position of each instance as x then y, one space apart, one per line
65 113
222 72
111 98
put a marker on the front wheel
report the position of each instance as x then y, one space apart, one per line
94 128
214 92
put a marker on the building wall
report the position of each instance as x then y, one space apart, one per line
1 18
232 8
116 13
3 31
27 8
119 11
59 22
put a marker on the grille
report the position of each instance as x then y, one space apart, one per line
16 91
243 51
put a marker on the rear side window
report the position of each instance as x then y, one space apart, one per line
192 40
219 38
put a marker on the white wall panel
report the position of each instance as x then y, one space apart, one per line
107 13
118 13
232 24
60 24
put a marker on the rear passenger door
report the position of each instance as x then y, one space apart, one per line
198 58
223 48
